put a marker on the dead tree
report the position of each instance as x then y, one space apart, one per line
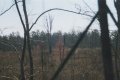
26 44
117 6
41 45
105 41
49 26
22 76
60 46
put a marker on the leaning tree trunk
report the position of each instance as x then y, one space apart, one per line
105 40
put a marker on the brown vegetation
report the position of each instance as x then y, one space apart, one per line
85 64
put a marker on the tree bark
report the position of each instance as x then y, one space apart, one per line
22 77
30 56
28 40
117 6
105 40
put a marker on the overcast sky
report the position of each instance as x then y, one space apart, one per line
63 21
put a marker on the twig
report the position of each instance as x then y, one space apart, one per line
54 9
19 13
89 7
8 8
6 77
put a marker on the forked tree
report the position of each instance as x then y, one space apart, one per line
26 44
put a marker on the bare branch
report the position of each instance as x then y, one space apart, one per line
9 8
25 13
89 7
49 23
19 13
54 9
115 3
6 77
78 7
73 49
112 16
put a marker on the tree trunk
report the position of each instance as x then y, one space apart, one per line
117 6
28 40
22 74
105 40
30 56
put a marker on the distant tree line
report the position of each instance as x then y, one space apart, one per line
91 40
11 42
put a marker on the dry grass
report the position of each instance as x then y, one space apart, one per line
9 65
86 64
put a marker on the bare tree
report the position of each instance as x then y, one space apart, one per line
117 6
105 40
26 41
49 26
23 51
